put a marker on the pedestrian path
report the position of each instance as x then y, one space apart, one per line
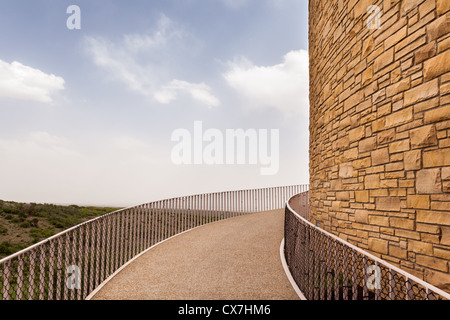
234 259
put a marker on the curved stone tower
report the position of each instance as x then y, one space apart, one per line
380 129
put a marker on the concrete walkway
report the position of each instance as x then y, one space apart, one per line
238 258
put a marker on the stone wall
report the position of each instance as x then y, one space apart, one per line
380 129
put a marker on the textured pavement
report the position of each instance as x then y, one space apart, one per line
238 258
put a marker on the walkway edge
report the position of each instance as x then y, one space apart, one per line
288 273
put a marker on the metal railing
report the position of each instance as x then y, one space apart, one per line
71 264
325 267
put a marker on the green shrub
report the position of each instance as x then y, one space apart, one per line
34 222
17 220
11 210
25 224
39 234
3 230
7 248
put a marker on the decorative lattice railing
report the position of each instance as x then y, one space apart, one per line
73 263
325 267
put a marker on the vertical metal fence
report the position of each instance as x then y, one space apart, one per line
326 267
71 264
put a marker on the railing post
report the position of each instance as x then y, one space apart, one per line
200 210
176 213
206 210
140 229
377 290
196 212
191 211
322 265
260 201
408 292
156 214
103 249
238 202
235 210
122 238
87 252
58 269
205 217
41 275
328 254
6 280
226 204
149 229
163 220
254 201
135 231
365 289
336 270
80 259
115 235
105 254
170 219
316 265
110 244
391 285
354 276
66 263
345 273
87 278
20 282
127 235
185 213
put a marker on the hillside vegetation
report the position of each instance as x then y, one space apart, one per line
23 224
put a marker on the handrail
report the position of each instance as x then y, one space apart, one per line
325 266
72 263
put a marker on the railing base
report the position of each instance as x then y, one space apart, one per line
288 272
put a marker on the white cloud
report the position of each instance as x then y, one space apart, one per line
135 62
284 86
18 81
198 91
119 65
165 33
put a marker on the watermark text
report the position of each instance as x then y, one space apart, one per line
234 147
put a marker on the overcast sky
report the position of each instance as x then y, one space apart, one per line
87 115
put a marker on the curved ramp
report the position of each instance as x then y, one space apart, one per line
234 259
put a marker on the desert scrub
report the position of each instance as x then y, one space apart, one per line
8 248
3 230
39 234
24 224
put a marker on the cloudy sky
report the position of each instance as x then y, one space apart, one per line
87 115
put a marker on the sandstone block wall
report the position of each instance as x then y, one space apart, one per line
380 130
